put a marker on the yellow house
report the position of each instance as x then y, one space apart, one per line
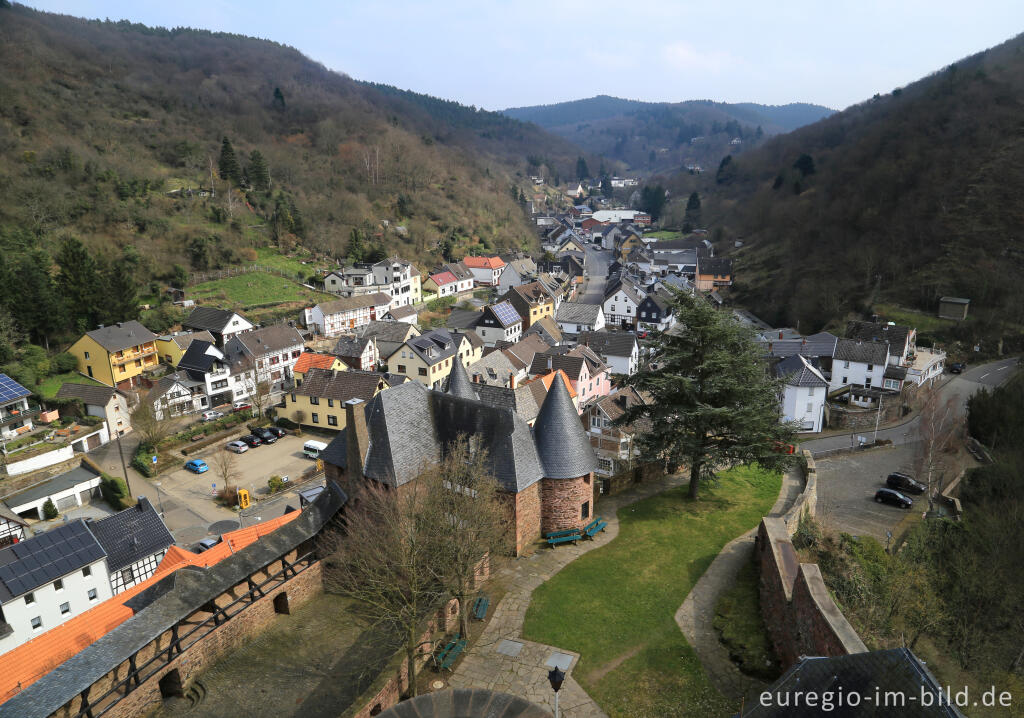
532 301
172 347
427 358
313 360
415 286
320 400
470 347
116 355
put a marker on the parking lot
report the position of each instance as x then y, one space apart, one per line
847 485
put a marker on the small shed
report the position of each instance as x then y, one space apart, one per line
953 308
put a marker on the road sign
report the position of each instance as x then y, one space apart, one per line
154 459
213 489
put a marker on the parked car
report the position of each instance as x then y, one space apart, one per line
251 441
957 367
241 406
890 496
277 431
211 415
264 435
238 447
206 544
197 466
904 482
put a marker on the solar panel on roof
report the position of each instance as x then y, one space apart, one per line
10 389
505 313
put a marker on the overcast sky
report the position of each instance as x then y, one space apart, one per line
504 53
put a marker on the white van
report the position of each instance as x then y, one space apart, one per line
312 449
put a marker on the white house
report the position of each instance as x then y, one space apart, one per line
274 350
619 350
397 278
499 323
12 527
341 315
221 323
576 317
135 541
15 411
803 395
213 378
859 365
178 394
622 301
464 278
105 402
486 270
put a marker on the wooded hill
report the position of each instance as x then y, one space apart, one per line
663 136
908 197
105 127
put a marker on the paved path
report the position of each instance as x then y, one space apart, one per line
525 674
695 616
596 274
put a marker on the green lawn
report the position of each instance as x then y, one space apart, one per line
616 605
270 257
254 288
926 323
49 387
741 627
664 234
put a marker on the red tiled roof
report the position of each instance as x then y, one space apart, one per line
443 278
546 379
483 262
27 663
312 360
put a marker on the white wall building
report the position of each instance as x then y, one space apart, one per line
858 363
803 396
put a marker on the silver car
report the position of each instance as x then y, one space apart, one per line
239 447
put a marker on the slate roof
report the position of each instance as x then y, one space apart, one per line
675 245
358 301
562 444
548 329
459 269
183 339
347 347
616 344
795 370
577 313
131 535
714 265
434 346
891 671
861 352
895 334
200 356
209 318
533 293
522 400
166 382
88 394
386 331
61 482
463 318
494 368
402 312
521 353
122 335
458 383
268 339
45 557
626 287
614 405
895 372
821 344
545 362
340 385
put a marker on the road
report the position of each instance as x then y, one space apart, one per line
959 387
596 273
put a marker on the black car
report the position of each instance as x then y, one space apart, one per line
277 431
957 367
902 482
251 441
890 496
265 435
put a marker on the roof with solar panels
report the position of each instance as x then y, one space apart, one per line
11 390
504 313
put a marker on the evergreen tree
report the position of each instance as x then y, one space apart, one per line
278 99
714 404
78 284
804 163
121 300
606 186
355 246
652 201
298 226
228 163
582 172
38 308
693 209
259 175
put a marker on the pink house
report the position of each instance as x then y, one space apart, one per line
588 375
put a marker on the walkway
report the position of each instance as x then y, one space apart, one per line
696 614
501 660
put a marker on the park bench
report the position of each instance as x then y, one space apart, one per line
598 524
446 658
556 537
480 607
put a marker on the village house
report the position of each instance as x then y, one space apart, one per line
176 394
531 301
518 271
803 394
619 350
524 399
274 351
397 278
214 378
357 352
499 322
116 355
388 336
859 366
464 278
103 401
443 284
406 314
486 270
576 317
16 413
622 300
497 369
171 347
548 330
470 346
12 527
426 358
713 273
338 316
320 400
588 375
656 310
222 324
545 475
614 445
313 360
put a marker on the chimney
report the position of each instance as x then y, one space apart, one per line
511 380
549 363
803 342
357 437
780 334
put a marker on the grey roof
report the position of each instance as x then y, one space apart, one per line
626 287
61 482
131 535
200 356
861 352
577 313
164 384
87 393
821 344
459 383
895 334
714 265
494 368
268 339
548 329
463 319
45 557
351 346
797 371
387 331
615 344
434 346
544 362
340 385
887 672
122 335
955 300
895 372
158 608
472 337
402 312
562 444
183 339
210 318
359 301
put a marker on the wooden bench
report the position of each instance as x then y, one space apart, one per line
558 534
480 607
598 524
564 537
446 658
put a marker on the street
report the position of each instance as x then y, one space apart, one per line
596 273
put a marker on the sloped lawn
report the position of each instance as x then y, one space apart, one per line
616 604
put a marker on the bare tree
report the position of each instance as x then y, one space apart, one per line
386 561
259 392
937 427
152 424
474 523
224 467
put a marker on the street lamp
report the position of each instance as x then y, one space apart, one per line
555 678
124 467
159 497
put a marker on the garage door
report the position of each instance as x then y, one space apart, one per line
66 503
86 496
93 441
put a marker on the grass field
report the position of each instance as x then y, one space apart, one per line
616 604
256 288
664 234
270 257
925 323
49 387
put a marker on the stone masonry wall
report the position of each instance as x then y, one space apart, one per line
562 501
526 517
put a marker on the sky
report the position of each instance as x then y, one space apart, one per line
507 53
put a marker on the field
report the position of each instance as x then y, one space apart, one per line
664 234
924 323
48 387
254 289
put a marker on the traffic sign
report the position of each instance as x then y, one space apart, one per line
154 459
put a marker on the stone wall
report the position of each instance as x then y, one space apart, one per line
852 417
526 517
562 501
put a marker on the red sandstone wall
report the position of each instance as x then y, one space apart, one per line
562 501
527 517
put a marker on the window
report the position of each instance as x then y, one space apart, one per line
845 380
611 308
127 576
810 407
403 353
65 608
401 368
37 623
92 594
87 572
643 314
87 356
422 371
867 383
332 420
871 367
30 598
585 510
58 585
89 368
846 365
314 400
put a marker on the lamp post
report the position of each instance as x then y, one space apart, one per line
124 467
555 678
159 497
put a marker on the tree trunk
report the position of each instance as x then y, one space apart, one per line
410 656
463 621
694 479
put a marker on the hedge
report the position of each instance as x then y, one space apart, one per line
115 492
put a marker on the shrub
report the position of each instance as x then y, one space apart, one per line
228 496
115 492
63 363
275 484
142 461
89 420
49 510
441 303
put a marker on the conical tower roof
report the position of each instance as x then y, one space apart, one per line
562 444
459 383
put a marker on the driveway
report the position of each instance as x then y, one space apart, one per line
596 273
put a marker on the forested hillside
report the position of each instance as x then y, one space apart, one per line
659 136
112 135
908 197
